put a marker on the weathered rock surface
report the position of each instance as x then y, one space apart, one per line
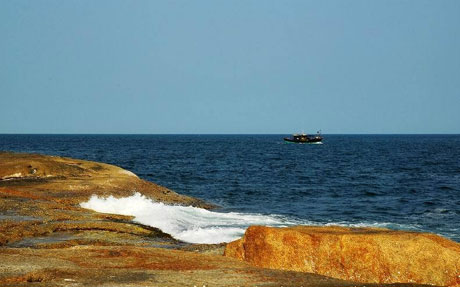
357 254
72 181
86 265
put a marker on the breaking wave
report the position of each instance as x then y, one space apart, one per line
187 223
198 225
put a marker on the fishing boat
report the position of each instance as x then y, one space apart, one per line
304 138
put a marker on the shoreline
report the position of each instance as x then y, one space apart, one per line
42 224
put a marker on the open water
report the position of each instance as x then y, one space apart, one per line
407 182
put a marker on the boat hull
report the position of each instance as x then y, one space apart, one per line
307 141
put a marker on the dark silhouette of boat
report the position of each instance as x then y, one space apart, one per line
304 138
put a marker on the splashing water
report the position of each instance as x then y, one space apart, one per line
187 223
198 225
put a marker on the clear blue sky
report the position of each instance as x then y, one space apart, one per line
244 66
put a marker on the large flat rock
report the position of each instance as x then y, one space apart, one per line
358 254
72 181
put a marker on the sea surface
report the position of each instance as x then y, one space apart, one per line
409 182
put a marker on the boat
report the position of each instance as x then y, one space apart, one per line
304 138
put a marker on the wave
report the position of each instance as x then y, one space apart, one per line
198 225
186 223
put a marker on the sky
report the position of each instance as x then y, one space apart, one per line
229 67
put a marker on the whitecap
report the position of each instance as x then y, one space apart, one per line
186 223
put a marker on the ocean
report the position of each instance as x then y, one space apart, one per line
408 182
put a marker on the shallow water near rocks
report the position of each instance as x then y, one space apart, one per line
396 181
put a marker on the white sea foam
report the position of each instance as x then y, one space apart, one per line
187 223
197 225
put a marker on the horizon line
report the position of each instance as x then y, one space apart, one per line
134 134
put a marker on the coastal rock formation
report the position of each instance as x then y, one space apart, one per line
73 181
357 254
48 239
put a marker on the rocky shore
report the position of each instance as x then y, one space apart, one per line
373 255
47 239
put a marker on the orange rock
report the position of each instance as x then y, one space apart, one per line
72 181
370 255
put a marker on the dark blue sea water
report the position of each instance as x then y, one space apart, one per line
396 181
